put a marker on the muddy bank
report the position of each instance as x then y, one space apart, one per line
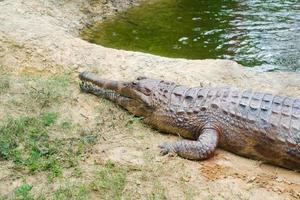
42 38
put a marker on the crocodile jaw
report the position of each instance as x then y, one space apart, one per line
129 95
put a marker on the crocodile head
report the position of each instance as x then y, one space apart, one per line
134 96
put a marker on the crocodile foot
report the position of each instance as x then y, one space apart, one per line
166 148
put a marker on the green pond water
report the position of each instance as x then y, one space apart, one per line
256 33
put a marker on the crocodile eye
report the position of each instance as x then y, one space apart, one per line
147 92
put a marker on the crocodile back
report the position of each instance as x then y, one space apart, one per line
255 124
275 115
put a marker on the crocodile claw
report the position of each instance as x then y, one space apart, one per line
165 148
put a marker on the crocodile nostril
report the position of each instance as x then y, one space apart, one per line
141 77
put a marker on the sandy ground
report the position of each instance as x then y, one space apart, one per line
41 38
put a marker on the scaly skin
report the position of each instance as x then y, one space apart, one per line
252 124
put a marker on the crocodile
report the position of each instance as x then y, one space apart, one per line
256 125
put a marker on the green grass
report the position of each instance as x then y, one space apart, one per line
45 92
74 192
158 192
34 93
110 181
23 192
49 118
26 142
4 84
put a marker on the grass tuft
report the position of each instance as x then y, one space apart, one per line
49 118
74 192
4 84
110 181
26 142
44 93
23 190
158 192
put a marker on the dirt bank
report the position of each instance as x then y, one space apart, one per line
40 39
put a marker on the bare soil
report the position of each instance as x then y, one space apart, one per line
41 38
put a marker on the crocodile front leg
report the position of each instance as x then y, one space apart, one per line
201 149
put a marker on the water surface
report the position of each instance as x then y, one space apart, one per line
255 33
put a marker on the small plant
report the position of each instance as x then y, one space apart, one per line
110 181
49 118
67 124
89 138
74 192
23 191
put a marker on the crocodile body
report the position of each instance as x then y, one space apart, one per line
256 125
